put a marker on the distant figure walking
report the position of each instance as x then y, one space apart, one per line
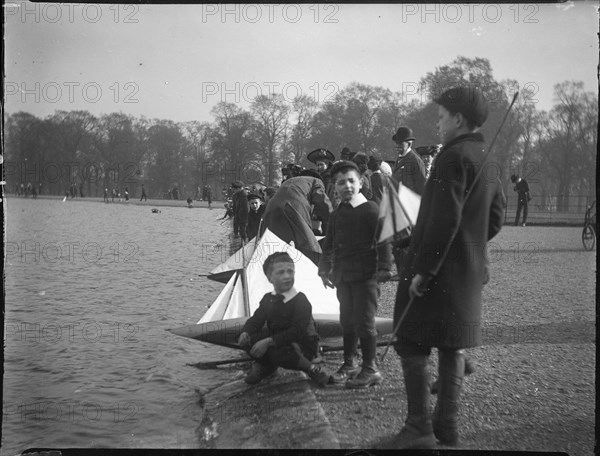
208 191
144 196
126 194
105 195
522 189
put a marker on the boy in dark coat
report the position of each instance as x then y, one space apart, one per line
447 270
293 339
257 209
351 262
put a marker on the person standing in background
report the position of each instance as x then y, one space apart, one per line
209 195
240 210
522 189
257 209
379 181
409 169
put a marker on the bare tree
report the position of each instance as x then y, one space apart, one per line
271 120
304 109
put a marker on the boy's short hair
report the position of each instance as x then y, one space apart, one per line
343 166
277 257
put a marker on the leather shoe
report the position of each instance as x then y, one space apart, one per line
366 378
345 372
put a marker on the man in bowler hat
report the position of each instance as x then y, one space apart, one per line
412 173
445 278
409 169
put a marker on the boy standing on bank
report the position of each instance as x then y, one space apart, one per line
458 211
352 263
293 339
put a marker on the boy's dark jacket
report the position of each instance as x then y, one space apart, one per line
349 252
288 322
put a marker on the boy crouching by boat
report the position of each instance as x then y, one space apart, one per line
351 261
293 338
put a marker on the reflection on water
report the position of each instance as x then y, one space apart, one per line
90 290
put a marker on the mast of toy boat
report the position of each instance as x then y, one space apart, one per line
244 276
244 272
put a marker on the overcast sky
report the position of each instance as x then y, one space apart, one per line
178 61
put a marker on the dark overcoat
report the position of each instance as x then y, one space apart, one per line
411 172
288 213
449 314
254 218
240 206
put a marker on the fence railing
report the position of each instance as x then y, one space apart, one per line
550 210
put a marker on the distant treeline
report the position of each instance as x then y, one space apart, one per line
555 151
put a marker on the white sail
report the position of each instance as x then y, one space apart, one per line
235 261
230 303
398 211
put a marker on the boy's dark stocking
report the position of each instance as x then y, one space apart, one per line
350 367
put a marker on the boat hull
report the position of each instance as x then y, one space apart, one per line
227 332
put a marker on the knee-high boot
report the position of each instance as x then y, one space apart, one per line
445 416
369 374
417 431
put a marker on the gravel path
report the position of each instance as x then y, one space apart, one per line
534 384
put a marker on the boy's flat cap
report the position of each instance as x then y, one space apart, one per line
469 101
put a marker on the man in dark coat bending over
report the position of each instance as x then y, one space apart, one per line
288 213
447 270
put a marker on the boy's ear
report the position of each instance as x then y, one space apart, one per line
460 120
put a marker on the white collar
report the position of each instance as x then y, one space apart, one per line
357 200
290 294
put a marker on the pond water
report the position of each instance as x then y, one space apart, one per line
91 289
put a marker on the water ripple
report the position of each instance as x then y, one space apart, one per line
90 291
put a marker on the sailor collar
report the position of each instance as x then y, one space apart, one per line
287 295
357 200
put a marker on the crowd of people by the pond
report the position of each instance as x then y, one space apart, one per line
438 293
246 203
